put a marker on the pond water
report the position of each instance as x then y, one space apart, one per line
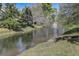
14 45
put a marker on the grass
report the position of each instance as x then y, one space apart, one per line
4 33
51 48
3 30
36 26
29 29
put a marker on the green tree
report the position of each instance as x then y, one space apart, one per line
26 16
47 8
11 24
0 6
10 16
69 15
11 10
2 12
49 11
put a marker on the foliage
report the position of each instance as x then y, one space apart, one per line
15 19
10 24
2 13
69 14
73 30
0 6
23 23
27 16
11 17
48 10
11 10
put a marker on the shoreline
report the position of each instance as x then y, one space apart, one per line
7 34
51 48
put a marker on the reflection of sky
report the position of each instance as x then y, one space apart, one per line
22 5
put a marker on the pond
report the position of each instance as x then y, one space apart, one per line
16 44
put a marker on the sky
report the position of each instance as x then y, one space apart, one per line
55 5
22 5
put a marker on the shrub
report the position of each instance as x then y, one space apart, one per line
25 23
22 23
73 30
10 24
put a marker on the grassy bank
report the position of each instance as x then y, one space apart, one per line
4 33
51 48
28 29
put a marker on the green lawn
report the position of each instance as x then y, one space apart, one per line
51 48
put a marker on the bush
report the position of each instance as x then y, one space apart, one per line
22 23
73 30
25 23
11 24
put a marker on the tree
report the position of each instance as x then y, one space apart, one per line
47 8
9 20
2 12
11 24
11 10
49 11
69 14
0 6
26 16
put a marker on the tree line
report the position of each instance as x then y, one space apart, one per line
13 18
69 15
